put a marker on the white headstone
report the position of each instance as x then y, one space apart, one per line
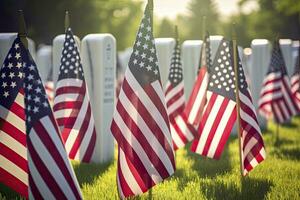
295 54
190 56
99 62
124 57
44 61
6 40
164 50
260 59
58 43
287 51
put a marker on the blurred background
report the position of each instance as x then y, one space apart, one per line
254 18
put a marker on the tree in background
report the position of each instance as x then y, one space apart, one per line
45 19
197 9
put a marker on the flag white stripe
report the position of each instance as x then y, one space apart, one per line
199 99
14 169
251 143
272 76
270 97
20 100
284 109
69 82
271 86
13 144
278 112
176 105
174 91
68 97
183 127
221 127
209 122
48 125
63 113
287 97
12 118
128 176
147 102
151 139
134 143
77 125
85 141
39 181
48 160
177 140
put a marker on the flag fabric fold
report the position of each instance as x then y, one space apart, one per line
295 81
276 100
140 123
181 131
197 100
252 144
72 107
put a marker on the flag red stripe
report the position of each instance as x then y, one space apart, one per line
34 190
126 147
59 161
142 139
67 105
124 186
225 134
12 131
90 150
14 183
15 158
148 118
71 90
18 110
215 124
174 98
44 172
81 133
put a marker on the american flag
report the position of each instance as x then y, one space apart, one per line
276 99
72 107
13 150
50 172
49 87
252 144
140 124
197 99
295 81
181 131
219 113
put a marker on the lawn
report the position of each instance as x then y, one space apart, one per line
198 178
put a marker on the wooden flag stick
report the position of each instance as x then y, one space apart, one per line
22 29
235 66
67 20
203 26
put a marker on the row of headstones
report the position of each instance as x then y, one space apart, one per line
98 53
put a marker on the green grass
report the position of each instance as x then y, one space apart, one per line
198 178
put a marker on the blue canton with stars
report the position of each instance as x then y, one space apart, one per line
277 62
222 79
143 62
70 66
12 73
175 75
36 101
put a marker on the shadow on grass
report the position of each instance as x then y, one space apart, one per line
207 167
287 153
283 141
250 189
7 193
86 173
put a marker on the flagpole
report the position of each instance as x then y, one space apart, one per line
150 7
235 66
203 26
67 20
22 29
